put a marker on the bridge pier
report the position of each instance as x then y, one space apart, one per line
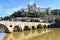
30 27
22 28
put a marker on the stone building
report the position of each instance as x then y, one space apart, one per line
31 8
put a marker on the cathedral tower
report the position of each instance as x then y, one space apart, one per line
32 7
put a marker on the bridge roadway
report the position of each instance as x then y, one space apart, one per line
22 36
9 25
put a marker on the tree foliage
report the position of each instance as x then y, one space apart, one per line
19 14
56 24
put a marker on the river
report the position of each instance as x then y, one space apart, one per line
38 34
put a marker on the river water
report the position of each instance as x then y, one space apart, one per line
38 34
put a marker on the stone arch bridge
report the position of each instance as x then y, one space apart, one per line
9 25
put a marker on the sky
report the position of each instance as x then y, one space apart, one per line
7 7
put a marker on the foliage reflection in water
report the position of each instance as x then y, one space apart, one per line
39 34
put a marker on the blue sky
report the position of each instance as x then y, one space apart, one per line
7 7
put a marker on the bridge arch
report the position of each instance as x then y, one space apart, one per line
33 27
39 26
48 26
45 26
26 27
16 28
3 28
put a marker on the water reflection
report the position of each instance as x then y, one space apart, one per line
25 35
52 35
2 35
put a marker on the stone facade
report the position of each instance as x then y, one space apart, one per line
33 8
9 25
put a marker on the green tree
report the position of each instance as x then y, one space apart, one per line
57 20
6 18
16 14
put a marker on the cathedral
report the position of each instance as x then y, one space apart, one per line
31 8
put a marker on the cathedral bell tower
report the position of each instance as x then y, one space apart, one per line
32 7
